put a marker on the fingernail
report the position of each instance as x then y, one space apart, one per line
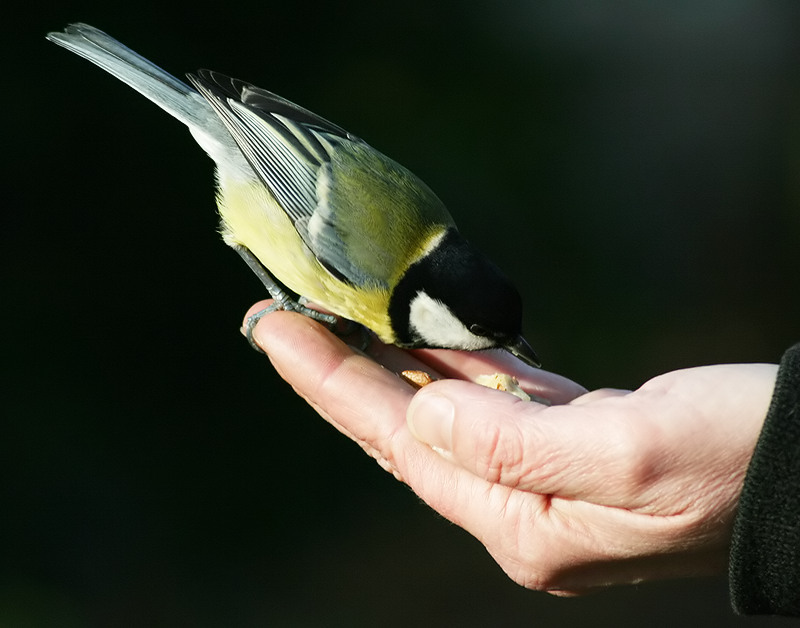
430 419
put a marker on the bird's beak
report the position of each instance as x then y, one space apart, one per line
520 348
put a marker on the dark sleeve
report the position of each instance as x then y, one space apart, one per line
765 549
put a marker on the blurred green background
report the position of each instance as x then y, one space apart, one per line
635 167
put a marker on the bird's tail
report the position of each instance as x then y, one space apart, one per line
171 94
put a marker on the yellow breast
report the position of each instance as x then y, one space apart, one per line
252 218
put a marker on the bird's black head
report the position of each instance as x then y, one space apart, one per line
455 298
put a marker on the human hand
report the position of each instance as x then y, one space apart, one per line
601 488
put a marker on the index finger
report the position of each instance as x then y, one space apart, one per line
368 403
470 364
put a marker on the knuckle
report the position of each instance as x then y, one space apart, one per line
638 456
498 452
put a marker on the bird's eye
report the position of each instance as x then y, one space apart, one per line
479 330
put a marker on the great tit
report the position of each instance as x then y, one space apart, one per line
317 212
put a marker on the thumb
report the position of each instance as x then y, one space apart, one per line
570 450
485 431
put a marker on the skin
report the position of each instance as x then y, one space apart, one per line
600 488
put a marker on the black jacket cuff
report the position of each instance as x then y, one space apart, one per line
765 549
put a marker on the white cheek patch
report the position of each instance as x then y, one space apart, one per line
435 324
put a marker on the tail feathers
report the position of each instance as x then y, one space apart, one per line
171 94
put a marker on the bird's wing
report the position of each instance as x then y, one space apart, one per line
364 216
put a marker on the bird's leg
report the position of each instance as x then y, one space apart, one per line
282 301
344 328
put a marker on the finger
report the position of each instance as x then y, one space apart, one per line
255 309
469 365
597 395
579 452
369 403
360 397
393 358
440 363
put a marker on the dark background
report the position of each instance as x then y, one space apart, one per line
634 169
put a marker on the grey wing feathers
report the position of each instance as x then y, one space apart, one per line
291 150
285 144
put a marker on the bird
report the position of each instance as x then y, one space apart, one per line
323 218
